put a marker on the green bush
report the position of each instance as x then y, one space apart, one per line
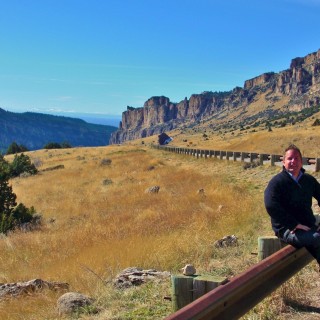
7 203
4 168
56 145
15 148
52 145
22 214
22 164
6 223
11 214
7 197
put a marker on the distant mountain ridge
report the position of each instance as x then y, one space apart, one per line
34 130
261 97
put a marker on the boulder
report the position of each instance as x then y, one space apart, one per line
72 302
227 241
154 189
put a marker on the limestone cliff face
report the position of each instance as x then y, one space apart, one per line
300 83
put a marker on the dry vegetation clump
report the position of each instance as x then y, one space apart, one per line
95 229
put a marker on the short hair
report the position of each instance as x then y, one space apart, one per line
293 147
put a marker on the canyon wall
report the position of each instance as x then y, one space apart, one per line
300 83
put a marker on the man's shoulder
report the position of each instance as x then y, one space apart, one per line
308 176
278 179
280 176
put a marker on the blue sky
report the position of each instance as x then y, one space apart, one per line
100 56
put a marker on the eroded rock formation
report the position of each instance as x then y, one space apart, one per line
293 89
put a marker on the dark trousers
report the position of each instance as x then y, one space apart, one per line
308 239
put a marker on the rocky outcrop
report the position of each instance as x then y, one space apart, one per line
134 276
296 88
36 285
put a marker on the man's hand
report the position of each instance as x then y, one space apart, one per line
301 227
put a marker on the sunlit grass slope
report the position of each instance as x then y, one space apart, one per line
260 140
98 220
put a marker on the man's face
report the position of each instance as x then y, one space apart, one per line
292 162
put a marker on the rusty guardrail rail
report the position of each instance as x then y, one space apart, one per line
235 298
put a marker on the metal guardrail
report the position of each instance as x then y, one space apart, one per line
235 298
272 159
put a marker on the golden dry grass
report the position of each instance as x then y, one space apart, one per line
304 135
99 220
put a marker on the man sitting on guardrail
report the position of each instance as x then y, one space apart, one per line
288 201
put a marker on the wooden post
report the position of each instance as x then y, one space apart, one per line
272 160
268 245
204 284
317 165
186 289
262 157
235 156
182 287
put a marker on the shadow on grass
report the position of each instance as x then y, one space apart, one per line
301 307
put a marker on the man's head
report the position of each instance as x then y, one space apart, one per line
292 160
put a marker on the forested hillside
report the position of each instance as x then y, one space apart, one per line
34 130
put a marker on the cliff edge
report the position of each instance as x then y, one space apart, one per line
290 90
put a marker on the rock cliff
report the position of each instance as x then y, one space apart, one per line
293 89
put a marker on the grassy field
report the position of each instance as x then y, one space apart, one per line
260 140
99 220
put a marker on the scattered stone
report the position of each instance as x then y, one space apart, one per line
107 182
35 285
25 175
201 192
154 189
134 276
105 162
188 270
219 208
51 220
227 241
72 302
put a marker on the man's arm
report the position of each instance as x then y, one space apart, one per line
273 199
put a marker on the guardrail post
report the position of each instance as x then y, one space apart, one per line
253 156
186 289
317 165
272 159
262 157
268 245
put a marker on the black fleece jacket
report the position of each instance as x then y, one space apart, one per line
289 203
